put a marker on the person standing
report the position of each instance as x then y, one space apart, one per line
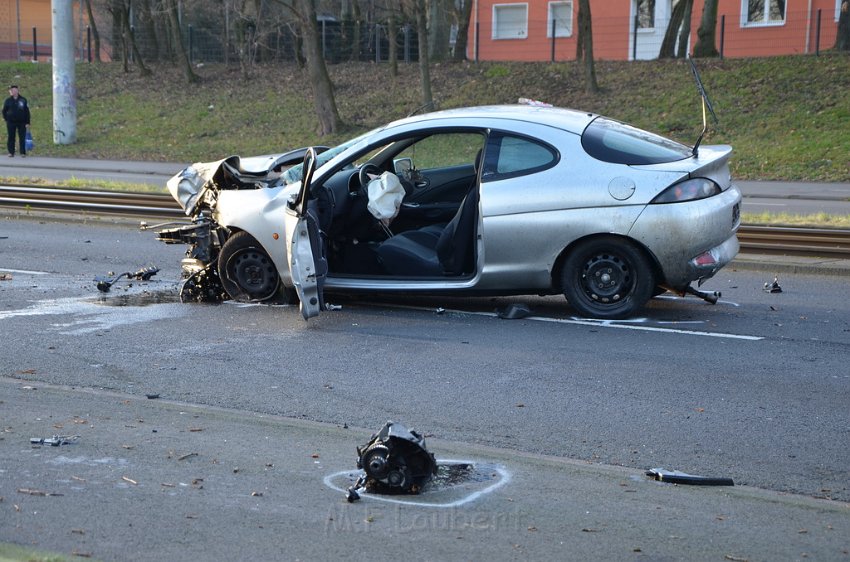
16 112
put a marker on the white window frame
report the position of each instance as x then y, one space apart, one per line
765 22
837 9
496 7
560 31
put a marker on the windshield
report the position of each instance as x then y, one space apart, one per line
612 141
293 174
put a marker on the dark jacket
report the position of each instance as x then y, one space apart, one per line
16 111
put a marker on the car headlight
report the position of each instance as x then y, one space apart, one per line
688 190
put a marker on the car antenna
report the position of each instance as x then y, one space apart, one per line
706 103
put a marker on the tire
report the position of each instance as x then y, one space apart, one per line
607 278
247 272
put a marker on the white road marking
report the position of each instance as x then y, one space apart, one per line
504 478
620 324
24 271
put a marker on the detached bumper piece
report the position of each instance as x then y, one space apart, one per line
394 461
676 477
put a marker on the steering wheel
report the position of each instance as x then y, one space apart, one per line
363 175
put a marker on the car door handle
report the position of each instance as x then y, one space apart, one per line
421 184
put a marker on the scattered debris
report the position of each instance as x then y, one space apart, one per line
676 477
186 456
33 492
130 480
104 283
5 276
394 461
151 396
439 310
515 311
773 287
329 306
256 494
54 441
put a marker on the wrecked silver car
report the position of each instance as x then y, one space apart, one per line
485 200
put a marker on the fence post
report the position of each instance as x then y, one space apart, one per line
722 34
552 56
407 43
88 43
191 44
817 36
634 39
34 45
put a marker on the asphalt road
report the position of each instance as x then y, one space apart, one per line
754 388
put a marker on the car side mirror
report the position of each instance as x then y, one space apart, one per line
402 166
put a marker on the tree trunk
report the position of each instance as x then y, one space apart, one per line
586 34
842 39
668 45
144 70
95 34
685 32
150 43
115 9
424 60
392 33
438 29
323 94
182 57
706 46
463 16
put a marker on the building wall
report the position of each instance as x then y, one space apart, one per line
21 16
614 39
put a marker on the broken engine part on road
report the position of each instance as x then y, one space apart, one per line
394 461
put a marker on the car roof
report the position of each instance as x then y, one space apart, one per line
568 119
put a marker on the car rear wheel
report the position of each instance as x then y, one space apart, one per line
246 270
607 277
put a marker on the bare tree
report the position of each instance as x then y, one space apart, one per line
584 49
323 94
183 58
706 46
463 15
842 39
392 32
668 45
439 28
685 32
95 34
419 13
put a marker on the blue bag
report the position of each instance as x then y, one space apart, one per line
28 142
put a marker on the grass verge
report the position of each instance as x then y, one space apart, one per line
786 117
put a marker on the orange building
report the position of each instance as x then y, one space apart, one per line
541 30
18 19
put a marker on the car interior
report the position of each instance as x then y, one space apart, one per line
433 234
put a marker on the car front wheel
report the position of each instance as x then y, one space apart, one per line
607 278
246 270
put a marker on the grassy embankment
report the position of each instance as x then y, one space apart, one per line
788 118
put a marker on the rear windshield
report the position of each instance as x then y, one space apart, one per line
612 141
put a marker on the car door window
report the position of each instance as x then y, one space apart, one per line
511 156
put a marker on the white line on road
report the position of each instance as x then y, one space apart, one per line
24 271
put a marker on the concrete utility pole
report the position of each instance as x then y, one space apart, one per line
64 80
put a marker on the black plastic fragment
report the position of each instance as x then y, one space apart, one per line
515 311
105 282
677 477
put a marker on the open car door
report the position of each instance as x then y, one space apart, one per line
307 263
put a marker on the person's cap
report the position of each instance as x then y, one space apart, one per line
13 86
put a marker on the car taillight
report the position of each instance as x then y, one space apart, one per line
688 190
704 259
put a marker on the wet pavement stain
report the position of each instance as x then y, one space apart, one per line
146 298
